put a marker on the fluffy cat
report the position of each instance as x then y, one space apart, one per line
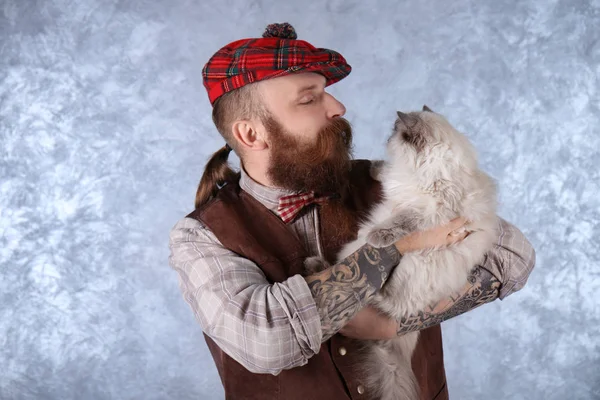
430 176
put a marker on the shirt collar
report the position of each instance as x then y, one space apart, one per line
267 196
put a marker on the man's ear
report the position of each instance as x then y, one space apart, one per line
249 134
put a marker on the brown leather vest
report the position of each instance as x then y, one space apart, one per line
245 226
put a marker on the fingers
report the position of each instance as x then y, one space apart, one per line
455 238
456 223
442 235
457 230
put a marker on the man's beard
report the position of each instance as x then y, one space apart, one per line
321 167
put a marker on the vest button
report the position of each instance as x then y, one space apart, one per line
342 351
360 389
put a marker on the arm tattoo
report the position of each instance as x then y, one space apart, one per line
482 287
341 290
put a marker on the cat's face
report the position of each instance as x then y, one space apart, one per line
426 140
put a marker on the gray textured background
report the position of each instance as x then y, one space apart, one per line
105 128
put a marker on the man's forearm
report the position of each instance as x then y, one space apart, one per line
343 289
504 271
482 287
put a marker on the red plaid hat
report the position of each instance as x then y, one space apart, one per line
278 53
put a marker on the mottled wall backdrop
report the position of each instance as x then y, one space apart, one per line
105 128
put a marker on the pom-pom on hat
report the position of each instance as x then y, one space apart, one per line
277 53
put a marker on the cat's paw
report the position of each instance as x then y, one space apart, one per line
382 237
312 265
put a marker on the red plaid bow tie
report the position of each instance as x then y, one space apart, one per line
290 206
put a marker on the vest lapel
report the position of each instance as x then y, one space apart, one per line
253 231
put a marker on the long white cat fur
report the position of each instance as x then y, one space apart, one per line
430 176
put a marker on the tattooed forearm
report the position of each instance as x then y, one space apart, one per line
341 290
482 287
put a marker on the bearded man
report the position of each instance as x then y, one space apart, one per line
273 332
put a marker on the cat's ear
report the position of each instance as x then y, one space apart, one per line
409 120
425 108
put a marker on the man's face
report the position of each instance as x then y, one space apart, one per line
310 143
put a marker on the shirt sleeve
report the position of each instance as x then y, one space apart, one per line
511 260
265 327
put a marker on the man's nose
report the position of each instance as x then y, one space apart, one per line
334 107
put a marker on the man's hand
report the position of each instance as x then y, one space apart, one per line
440 236
342 290
481 287
370 324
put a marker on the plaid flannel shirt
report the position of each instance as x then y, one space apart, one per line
271 327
